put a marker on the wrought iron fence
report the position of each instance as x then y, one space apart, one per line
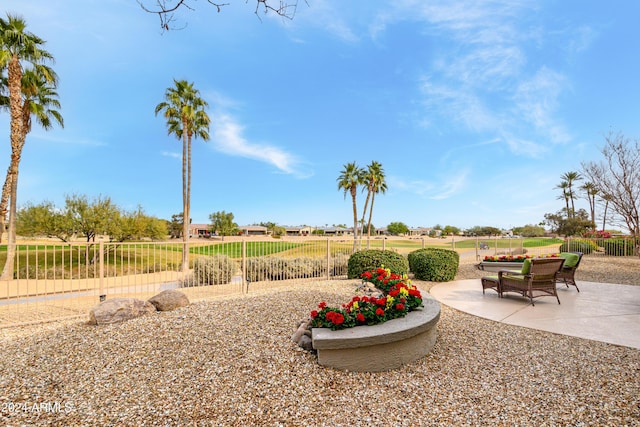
55 281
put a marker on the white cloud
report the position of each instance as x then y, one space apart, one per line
172 154
227 136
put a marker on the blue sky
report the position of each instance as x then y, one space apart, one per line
474 109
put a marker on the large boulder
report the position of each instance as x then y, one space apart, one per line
169 300
118 310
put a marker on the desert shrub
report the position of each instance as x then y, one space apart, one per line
578 245
213 270
371 259
339 264
278 268
435 265
618 247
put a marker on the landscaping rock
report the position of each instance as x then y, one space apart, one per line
169 300
119 310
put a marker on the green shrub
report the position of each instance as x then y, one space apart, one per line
370 259
213 270
585 246
618 247
435 265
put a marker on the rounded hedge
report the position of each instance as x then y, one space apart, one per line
434 265
370 259
579 245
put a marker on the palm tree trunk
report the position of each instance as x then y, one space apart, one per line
355 220
15 106
4 201
373 199
185 202
364 210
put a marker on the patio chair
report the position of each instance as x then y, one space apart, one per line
539 281
567 273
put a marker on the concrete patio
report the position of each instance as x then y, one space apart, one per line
600 311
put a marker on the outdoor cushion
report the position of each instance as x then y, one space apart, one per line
526 266
570 260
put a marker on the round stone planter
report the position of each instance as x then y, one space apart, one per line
381 347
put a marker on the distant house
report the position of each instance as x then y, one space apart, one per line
199 230
298 231
419 231
254 230
334 231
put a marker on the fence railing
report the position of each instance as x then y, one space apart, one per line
54 281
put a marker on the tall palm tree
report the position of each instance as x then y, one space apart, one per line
39 100
591 191
570 178
186 119
369 181
16 46
379 186
350 178
564 185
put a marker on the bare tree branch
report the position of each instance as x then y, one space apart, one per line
165 9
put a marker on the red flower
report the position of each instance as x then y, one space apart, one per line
381 301
322 305
399 307
394 293
379 312
337 318
314 314
360 317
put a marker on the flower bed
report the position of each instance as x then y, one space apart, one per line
376 333
400 298
508 262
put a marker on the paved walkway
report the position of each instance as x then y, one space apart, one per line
600 311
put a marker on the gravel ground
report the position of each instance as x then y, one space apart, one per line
231 362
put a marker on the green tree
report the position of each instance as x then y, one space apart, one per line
17 47
450 230
93 218
137 225
186 119
176 225
273 228
222 224
576 225
88 218
529 230
349 180
46 220
397 228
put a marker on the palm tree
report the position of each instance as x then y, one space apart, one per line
186 119
591 191
39 100
379 186
16 45
564 185
570 178
350 178
368 181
